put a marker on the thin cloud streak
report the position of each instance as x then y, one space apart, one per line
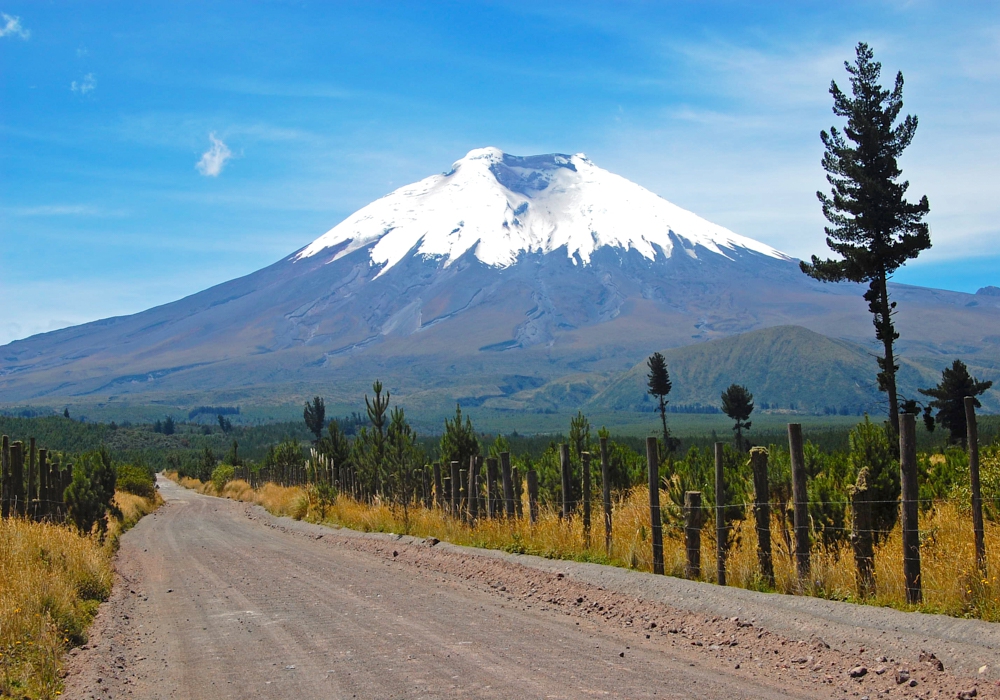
214 159
65 210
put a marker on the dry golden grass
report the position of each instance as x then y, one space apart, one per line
52 580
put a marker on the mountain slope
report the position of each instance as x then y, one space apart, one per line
502 276
784 366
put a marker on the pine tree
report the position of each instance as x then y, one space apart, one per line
873 228
737 403
233 457
459 441
225 423
168 425
579 435
949 400
369 448
335 445
659 386
404 458
90 496
207 464
314 415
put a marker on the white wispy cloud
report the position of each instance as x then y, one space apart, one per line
214 159
64 210
11 26
85 86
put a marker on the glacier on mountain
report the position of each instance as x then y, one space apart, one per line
502 206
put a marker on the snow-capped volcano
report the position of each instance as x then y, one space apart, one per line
513 283
501 206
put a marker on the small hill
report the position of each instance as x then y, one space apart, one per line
786 367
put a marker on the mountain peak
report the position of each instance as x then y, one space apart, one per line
501 206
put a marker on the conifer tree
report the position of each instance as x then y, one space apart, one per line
404 458
314 414
579 435
737 403
660 385
369 448
873 228
168 425
335 444
459 441
233 456
949 400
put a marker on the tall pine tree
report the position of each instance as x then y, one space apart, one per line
873 228
660 385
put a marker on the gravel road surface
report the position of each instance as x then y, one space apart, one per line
218 599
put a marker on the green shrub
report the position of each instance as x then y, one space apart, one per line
222 475
135 479
871 447
90 496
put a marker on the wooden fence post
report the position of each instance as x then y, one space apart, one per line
533 496
653 466
564 468
17 477
977 497
456 488
5 478
473 490
518 493
43 482
693 519
762 513
438 487
67 477
861 534
721 531
425 475
491 487
508 484
800 498
911 495
463 493
585 462
32 495
606 493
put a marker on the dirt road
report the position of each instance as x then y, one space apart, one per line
218 599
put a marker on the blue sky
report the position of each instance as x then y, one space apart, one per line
150 150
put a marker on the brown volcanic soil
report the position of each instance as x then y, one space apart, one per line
218 599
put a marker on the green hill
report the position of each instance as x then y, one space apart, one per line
786 367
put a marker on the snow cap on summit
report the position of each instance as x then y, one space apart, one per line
501 207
